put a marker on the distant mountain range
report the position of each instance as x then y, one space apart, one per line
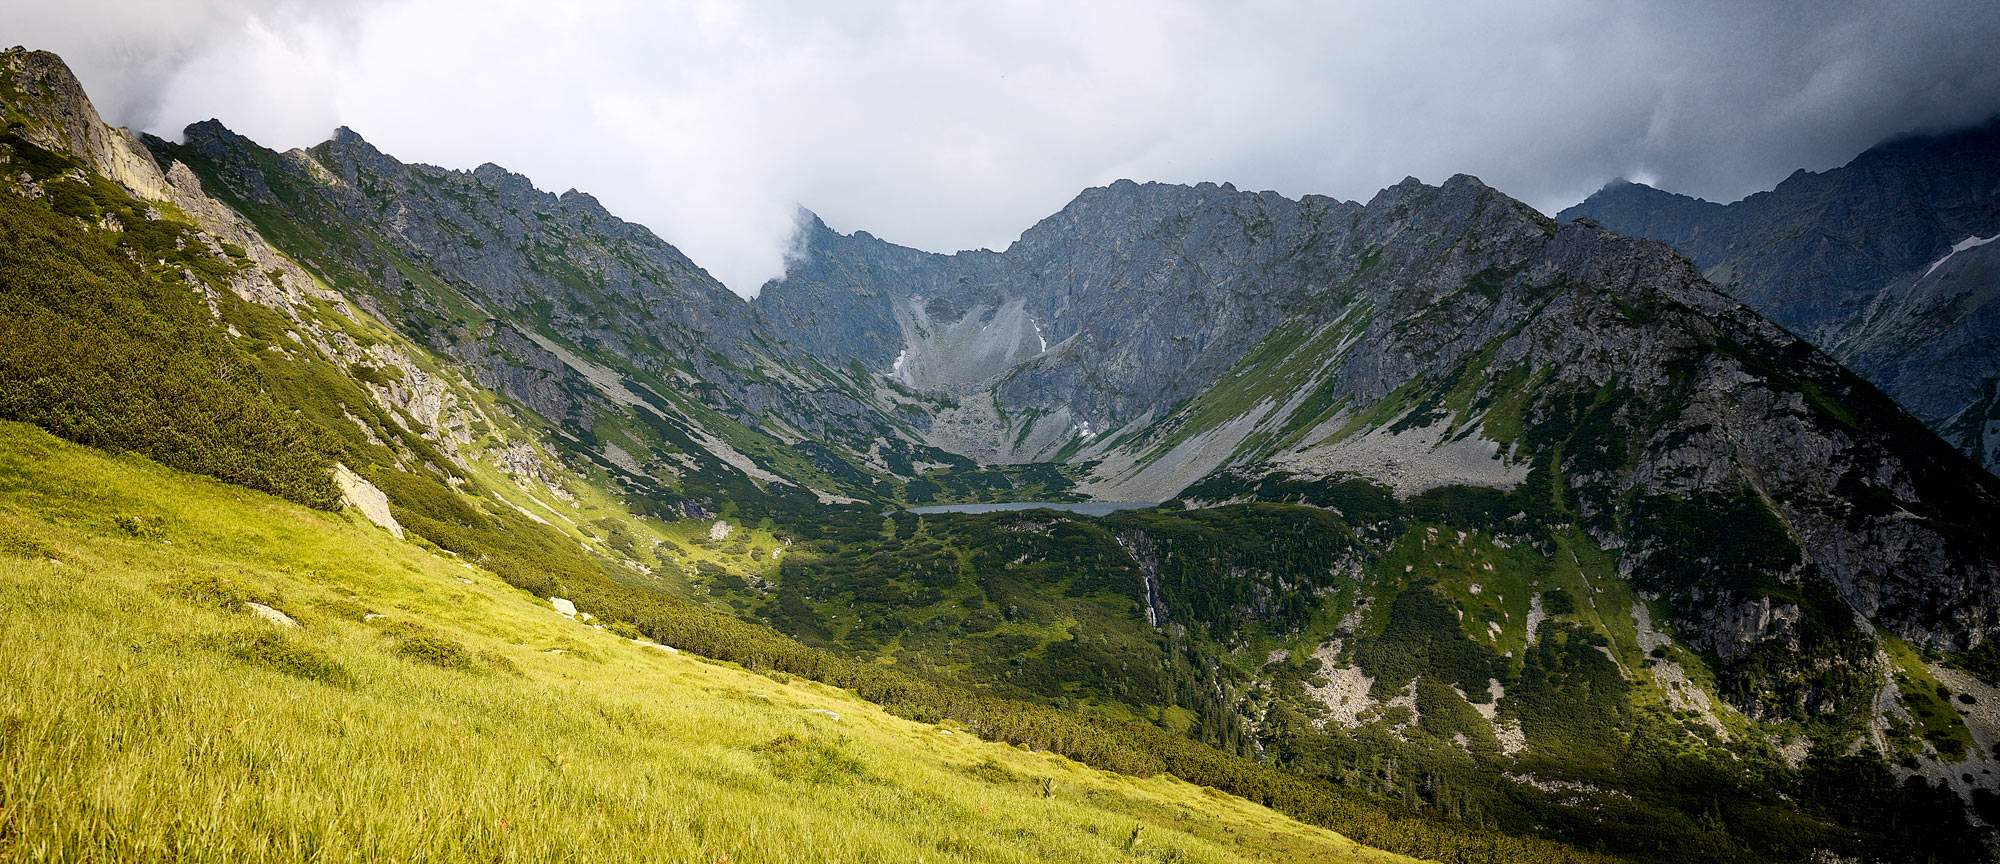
1886 262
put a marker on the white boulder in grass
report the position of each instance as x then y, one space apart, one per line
269 614
720 530
363 496
563 607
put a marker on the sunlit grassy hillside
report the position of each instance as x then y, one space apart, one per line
425 711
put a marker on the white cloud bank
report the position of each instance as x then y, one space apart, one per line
949 125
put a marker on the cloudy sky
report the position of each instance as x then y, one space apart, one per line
956 125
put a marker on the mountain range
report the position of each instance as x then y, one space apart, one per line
1883 261
1455 527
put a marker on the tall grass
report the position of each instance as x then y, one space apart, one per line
142 719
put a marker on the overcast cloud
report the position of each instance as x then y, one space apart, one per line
957 125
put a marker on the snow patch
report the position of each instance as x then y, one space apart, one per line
1967 243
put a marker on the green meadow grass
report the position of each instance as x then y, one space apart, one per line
425 711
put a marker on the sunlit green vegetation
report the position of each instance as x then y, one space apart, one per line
1156 644
106 338
424 710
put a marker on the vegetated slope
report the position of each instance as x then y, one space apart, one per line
1883 262
1561 391
1746 533
465 474
151 317
1497 675
114 353
650 368
1779 516
420 708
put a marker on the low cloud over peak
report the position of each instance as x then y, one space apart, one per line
951 126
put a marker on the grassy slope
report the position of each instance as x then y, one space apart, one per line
131 729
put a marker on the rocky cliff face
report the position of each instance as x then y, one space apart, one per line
1449 336
1435 336
585 318
48 107
1876 261
1131 300
1694 401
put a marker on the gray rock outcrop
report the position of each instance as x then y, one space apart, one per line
1884 262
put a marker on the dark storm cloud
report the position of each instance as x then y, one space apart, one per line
948 126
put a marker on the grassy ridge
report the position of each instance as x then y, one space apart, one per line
144 716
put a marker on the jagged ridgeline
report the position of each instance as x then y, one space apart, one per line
647 367
1603 509
1448 336
1485 537
149 317
1887 261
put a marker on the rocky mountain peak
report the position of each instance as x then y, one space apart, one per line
1874 260
211 136
45 104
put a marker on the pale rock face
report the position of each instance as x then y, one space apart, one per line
1344 692
71 124
720 530
362 495
75 126
1411 461
520 461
